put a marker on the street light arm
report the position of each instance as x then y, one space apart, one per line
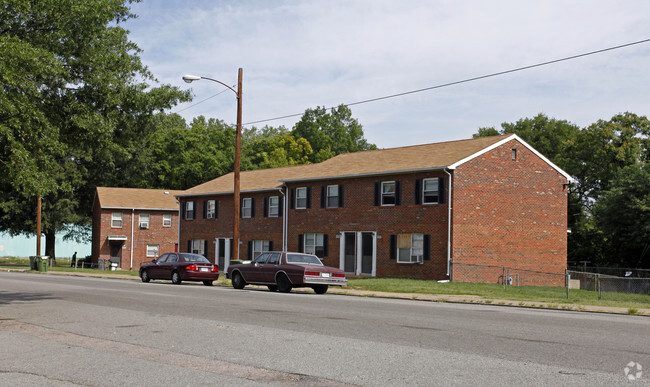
191 78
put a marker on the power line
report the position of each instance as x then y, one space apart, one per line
466 80
192 105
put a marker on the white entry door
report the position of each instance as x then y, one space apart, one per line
222 253
358 252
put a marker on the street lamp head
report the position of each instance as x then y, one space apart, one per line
191 78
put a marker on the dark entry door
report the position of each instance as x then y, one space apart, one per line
116 253
366 252
350 251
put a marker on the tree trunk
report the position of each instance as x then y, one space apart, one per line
50 239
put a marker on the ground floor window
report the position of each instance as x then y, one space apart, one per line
197 246
152 250
410 248
314 244
259 246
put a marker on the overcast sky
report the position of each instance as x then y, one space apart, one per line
302 54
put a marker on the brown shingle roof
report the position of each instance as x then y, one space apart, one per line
137 198
427 156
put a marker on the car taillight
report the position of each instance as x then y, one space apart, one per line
191 267
313 273
215 268
339 275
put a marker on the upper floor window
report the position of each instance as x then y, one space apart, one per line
247 208
210 209
430 191
144 220
333 196
273 207
301 198
167 220
189 210
116 220
388 193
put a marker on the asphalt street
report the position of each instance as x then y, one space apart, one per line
60 330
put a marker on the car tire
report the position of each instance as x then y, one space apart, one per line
207 283
284 285
273 288
176 278
238 281
144 275
320 289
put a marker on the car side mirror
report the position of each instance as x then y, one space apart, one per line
154 260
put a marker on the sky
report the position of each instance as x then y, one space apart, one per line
297 55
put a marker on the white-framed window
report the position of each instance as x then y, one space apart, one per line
314 244
410 248
189 210
260 246
332 196
143 220
430 191
211 209
388 193
301 198
274 206
152 250
167 220
247 208
198 246
116 220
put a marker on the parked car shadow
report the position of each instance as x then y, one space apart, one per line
16 297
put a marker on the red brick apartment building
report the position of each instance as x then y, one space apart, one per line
133 226
415 212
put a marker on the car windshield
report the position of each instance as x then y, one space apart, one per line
195 258
304 258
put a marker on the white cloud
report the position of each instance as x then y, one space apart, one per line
297 55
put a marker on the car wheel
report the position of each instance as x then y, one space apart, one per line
207 283
144 275
273 288
176 278
238 281
320 289
284 285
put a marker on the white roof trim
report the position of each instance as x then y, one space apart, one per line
505 140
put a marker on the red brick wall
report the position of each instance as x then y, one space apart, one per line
509 213
156 234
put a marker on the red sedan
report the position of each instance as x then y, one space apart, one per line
179 267
283 271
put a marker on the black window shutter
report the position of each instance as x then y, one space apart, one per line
250 249
280 205
189 246
266 206
340 195
441 190
301 244
270 245
232 249
427 247
194 214
308 197
252 207
377 193
326 245
205 248
393 246
183 209
418 191
205 209
323 194
292 198
398 193
216 209
241 207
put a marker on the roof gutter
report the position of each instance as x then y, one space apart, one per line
428 169
449 196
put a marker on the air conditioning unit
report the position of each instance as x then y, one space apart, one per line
144 225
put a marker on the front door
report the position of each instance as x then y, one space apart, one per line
359 253
116 253
221 251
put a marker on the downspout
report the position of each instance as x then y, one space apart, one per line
132 223
177 248
285 215
448 225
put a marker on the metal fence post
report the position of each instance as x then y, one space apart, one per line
598 284
567 279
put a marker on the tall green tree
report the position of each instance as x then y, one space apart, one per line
77 104
331 134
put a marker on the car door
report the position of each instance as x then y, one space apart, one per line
256 270
168 266
154 270
270 267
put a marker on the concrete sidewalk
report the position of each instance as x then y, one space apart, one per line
452 298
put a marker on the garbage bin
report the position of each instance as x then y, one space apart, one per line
42 263
102 264
113 266
33 263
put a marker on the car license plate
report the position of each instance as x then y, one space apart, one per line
326 275
204 269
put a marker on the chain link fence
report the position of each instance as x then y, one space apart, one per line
635 282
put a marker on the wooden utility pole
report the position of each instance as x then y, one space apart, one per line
38 227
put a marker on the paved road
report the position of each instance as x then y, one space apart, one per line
83 331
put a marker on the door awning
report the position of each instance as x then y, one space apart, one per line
117 237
